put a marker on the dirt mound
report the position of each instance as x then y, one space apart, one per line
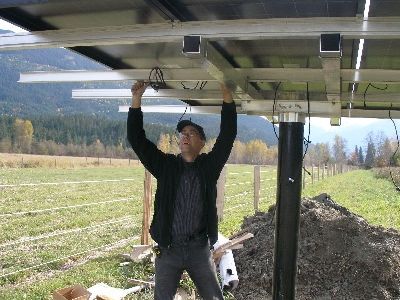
340 255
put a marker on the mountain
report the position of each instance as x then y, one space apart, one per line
24 99
27 100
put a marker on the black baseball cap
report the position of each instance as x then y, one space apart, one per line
182 124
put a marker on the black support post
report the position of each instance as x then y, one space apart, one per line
287 214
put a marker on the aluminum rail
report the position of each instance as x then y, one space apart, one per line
243 29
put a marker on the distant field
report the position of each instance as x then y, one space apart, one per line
14 160
69 225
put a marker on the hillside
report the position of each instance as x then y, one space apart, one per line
29 101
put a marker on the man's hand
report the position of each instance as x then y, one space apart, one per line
137 90
226 93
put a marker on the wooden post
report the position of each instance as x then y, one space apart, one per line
304 177
221 194
257 182
319 165
323 171
312 174
145 240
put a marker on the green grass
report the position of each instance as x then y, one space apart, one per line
25 240
77 230
361 192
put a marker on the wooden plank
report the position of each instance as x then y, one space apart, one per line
147 199
257 181
217 253
141 282
221 194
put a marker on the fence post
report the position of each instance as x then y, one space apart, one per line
146 209
257 182
221 194
319 165
312 174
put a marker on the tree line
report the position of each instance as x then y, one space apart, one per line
75 135
82 135
378 151
254 152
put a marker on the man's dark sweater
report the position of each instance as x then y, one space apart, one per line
168 169
188 213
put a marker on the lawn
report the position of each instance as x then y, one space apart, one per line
67 226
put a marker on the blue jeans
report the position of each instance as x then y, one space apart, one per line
194 257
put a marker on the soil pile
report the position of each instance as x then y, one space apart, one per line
340 255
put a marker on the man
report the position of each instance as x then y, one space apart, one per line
185 221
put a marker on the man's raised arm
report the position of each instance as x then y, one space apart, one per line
226 94
137 90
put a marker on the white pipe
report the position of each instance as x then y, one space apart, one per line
227 267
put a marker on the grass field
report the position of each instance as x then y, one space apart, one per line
67 226
375 199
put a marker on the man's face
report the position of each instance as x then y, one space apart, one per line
190 140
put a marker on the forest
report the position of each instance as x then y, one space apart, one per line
95 136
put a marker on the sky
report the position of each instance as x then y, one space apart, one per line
8 26
353 130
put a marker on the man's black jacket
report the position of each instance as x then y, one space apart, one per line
167 169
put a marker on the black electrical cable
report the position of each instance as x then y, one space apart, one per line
203 84
176 131
156 79
184 86
307 141
378 88
273 110
375 87
392 158
395 128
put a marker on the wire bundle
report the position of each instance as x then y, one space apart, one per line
156 79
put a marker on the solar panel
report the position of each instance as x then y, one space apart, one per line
273 41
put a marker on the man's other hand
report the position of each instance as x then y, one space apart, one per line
226 93
138 88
